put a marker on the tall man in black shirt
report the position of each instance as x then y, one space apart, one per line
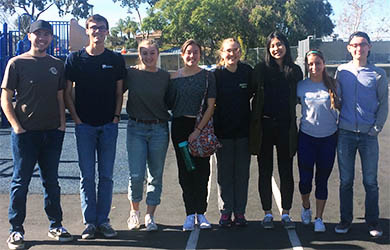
97 74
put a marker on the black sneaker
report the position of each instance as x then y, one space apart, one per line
343 227
225 220
239 220
15 240
107 230
60 234
89 232
375 230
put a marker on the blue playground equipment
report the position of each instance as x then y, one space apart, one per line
13 43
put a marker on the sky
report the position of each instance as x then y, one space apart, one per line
113 12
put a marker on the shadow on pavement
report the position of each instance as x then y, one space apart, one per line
352 240
167 237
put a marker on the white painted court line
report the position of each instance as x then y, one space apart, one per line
292 234
193 239
194 236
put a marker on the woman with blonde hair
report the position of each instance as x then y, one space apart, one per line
147 132
187 89
231 122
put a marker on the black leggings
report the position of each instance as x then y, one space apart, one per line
194 183
275 133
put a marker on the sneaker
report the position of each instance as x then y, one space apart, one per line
133 221
375 230
189 223
89 232
239 220
319 226
343 227
150 224
225 220
287 222
60 234
268 221
306 216
15 240
107 230
203 222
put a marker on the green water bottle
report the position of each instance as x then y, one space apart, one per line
183 146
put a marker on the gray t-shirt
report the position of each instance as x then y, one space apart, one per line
147 93
318 119
36 81
186 93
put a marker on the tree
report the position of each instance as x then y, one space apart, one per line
131 28
123 34
34 8
210 21
370 16
135 5
203 20
295 18
4 17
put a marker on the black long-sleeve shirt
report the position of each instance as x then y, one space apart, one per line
232 113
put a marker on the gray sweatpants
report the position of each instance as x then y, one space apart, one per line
233 161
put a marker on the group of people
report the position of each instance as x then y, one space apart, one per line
253 111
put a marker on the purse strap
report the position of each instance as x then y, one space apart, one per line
204 95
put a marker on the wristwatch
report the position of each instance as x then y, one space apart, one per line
117 116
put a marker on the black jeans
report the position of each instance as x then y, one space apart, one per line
194 183
275 133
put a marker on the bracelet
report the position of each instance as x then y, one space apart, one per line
198 129
117 116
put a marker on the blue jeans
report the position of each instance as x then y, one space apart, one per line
348 144
100 141
147 146
29 148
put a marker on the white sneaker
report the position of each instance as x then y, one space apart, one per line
319 226
149 223
306 215
189 223
203 222
133 221
15 241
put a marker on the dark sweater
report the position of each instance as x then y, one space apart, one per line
232 113
276 96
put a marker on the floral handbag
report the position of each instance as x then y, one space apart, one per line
207 142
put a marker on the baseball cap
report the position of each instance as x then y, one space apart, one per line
41 24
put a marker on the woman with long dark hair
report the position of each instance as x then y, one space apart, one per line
273 122
317 138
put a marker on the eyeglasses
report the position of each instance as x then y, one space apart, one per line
355 45
234 50
101 28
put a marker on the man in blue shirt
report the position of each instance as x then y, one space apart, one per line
364 109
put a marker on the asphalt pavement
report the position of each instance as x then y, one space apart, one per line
170 214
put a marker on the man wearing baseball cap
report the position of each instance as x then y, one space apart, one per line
38 127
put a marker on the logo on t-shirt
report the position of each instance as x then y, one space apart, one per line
104 66
243 85
53 71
